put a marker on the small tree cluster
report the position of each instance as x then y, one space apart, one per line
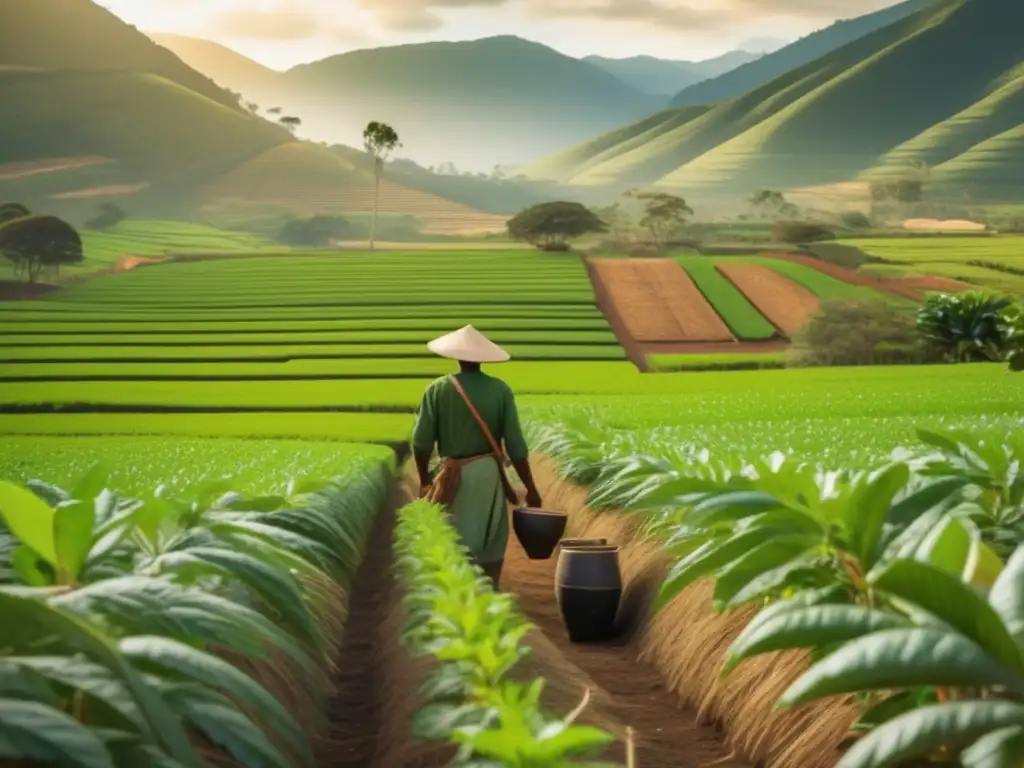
36 243
550 226
799 232
858 333
109 215
315 232
664 215
770 204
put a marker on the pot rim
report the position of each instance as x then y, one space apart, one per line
594 549
536 511
596 542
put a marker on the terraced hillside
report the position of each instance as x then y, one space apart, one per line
842 115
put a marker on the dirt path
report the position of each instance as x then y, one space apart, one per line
666 735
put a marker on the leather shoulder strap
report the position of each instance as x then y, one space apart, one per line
476 415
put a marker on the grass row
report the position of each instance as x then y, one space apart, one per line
724 361
738 313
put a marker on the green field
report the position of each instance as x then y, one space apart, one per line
950 257
739 314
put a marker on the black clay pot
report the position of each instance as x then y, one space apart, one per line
588 587
577 543
538 530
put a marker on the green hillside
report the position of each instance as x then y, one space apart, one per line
81 35
228 68
512 99
892 94
738 80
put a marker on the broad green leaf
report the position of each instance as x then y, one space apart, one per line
72 535
38 733
706 559
867 509
92 483
773 552
813 626
1007 596
224 725
16 683
996 749
922 731
169 655
31 623
825 595
275 586
30 520
959 605
983 566
901 658
800 571
31 568
948 546
944 492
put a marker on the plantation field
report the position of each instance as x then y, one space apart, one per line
951 257
136 465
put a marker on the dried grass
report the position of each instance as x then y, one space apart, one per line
687 642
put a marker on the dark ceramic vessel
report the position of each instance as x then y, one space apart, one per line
588 588
577 543
538 530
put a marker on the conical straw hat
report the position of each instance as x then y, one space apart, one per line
469 345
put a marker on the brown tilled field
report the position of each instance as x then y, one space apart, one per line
658 302
785 304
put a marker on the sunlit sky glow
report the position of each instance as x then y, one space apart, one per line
281 33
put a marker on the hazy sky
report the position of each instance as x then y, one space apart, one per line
281 33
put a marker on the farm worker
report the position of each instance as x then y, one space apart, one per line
468 415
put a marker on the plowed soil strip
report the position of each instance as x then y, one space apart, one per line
666 736
787 306
658 302
355 711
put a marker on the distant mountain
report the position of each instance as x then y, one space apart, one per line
869 109
738 80
228 68
499 100
666 77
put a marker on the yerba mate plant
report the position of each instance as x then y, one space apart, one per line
905 583
132 622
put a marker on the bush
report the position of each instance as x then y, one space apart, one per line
964 327
315 232
858 333
800 232
110 215
848 256
855 220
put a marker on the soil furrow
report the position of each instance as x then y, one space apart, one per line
666 734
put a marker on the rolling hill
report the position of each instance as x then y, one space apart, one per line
224 66
93 110
873 101
666 77
739 79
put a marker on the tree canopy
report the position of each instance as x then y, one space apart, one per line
11 211
317 231
664 216
35 243
550 226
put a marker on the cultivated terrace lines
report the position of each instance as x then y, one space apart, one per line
658 302
787 306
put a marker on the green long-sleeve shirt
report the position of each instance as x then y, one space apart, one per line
445 420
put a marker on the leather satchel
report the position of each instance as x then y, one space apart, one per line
446 483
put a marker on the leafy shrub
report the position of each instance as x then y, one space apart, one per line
855 220
964 327
858 333
798 232
847 256
110 215
1013 333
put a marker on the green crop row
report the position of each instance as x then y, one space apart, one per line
905 585
504 336
113 606
475 638
738 313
